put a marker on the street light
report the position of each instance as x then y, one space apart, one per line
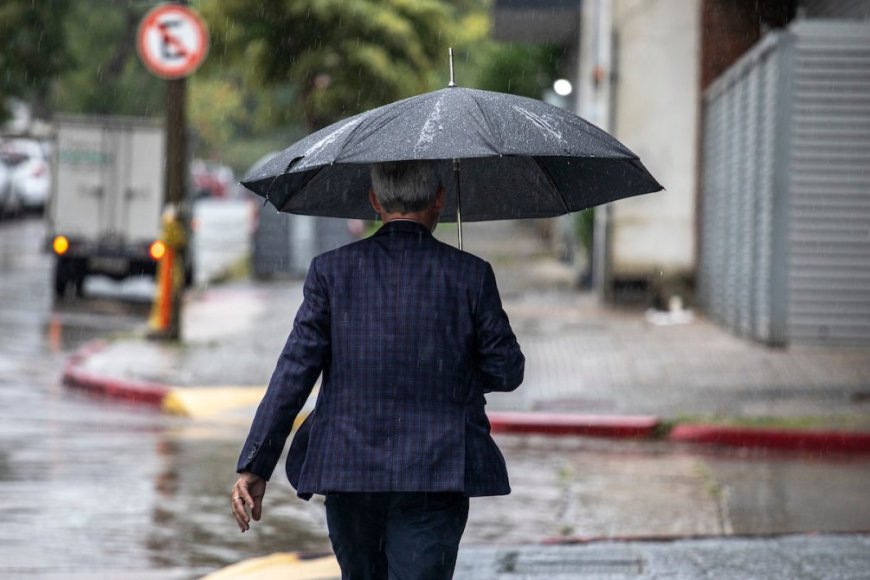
562 87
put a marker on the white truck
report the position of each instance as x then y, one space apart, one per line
108 184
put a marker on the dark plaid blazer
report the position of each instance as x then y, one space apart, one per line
409 334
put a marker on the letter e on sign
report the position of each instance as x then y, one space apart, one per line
172 41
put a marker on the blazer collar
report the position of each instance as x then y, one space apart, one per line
403 227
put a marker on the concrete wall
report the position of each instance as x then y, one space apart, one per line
656 114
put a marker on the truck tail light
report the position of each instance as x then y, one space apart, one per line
60 245
157 250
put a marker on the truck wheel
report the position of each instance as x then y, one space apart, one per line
68 271
80 286
10 205
60 283
59 286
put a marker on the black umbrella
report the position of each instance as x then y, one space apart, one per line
520 158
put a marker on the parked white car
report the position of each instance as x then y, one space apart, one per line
8 205
29 174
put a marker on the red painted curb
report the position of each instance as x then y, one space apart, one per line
620 427
824 441
131 391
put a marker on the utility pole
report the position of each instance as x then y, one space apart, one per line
594 99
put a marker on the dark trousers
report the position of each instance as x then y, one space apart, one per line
400 536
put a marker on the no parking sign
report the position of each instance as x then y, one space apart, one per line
172 41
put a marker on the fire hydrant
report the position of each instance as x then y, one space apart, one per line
165 319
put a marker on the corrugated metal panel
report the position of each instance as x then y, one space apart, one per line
737 205
716 216
708 173
713 236
849 9
829 264
285 243
750 105
786 188
729 206
769 76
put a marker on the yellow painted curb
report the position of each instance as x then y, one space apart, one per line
284 566
200 402
211 402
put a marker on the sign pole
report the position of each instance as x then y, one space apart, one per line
172 42
176 182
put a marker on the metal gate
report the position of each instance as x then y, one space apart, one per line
785 207
285 243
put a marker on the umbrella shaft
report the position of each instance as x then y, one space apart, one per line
458 201
459 226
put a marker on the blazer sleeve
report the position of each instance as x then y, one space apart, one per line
500 361
305 354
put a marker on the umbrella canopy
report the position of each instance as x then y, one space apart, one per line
520 158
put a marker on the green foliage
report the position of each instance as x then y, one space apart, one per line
341 56
216 110
275 69
105 75
32 48
311 62
584 223
519 68
484 63
243 151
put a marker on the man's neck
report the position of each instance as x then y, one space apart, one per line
419 218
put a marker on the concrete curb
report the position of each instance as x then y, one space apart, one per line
768 438
642 427
667 538
127 390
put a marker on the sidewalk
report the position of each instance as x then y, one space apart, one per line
775 558
618 369
591 370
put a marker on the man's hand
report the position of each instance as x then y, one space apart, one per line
247 495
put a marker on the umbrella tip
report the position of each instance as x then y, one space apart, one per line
452 82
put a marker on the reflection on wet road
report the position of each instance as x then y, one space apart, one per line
92 485
87 485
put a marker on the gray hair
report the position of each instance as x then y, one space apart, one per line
405 186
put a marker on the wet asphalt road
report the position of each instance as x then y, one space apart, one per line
87 485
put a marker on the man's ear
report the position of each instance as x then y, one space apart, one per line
439 198
374 201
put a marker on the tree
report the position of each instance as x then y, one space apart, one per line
32 50
520 69
342 57
104 75
484 63
216 112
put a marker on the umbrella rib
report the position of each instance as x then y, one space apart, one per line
552 183
485 119
350 134
300 191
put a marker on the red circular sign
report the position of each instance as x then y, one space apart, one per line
172 41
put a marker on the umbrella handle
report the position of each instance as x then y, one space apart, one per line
458 201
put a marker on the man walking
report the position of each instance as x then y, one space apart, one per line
409 335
